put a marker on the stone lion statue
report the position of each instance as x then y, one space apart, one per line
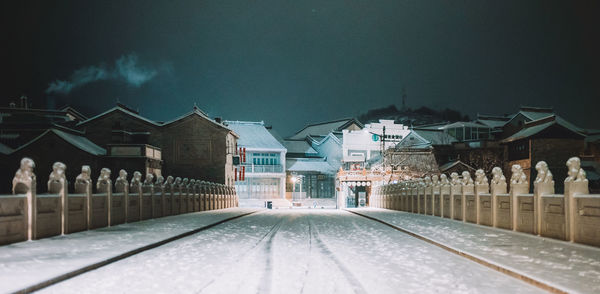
444 180
149 180
170 180
85 176
24 176
121 183
454 179
480 178
435 180
427 181
575 173
466 178
543 173
497 176
136 180
57 176
184 182
177 182
58 171
518 176
159 181
104 178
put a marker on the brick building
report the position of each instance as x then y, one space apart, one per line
67 146
192 145
551 139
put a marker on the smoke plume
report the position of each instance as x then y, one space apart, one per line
126 69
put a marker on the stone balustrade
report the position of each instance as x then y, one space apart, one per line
573 216
27 215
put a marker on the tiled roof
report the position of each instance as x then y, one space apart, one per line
254 135
73 139
309 165
534 127
299 146
324 128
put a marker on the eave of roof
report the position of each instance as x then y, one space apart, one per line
78 141
117 108
534 127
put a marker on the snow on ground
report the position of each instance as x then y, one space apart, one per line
26 263
295 251
562 264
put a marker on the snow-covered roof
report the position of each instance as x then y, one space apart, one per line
200 113
254 136
436 137
460 124
309 165
73 139
324 128
413 140
492 123
534 127
451 164
5 149
299 146
121 109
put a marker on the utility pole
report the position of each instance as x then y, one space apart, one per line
383 148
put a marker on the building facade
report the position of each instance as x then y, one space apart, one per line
261 173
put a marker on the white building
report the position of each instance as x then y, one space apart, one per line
264 163
359 146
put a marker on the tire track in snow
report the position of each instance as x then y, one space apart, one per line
263 246
325 251
507 271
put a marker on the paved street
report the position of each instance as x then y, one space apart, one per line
295 251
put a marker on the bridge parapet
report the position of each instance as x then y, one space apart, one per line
573 216
28 215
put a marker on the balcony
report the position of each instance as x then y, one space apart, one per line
134 150
252 168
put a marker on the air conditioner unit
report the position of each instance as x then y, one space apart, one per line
236 160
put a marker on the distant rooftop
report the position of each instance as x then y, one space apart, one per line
324 128
254 136
537 126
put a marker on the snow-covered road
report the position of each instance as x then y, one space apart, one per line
295 251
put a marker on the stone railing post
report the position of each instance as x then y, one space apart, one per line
57 184
576 183
543 185
148 187
445 190
177 198
467 188
122 186
136 187
104 185
480 189
498 186
24 182
518 185
435 190
83 185
160 187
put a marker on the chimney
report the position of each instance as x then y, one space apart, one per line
24 102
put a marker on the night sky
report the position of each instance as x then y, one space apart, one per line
294 62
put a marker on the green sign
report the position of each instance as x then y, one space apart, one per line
375 137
